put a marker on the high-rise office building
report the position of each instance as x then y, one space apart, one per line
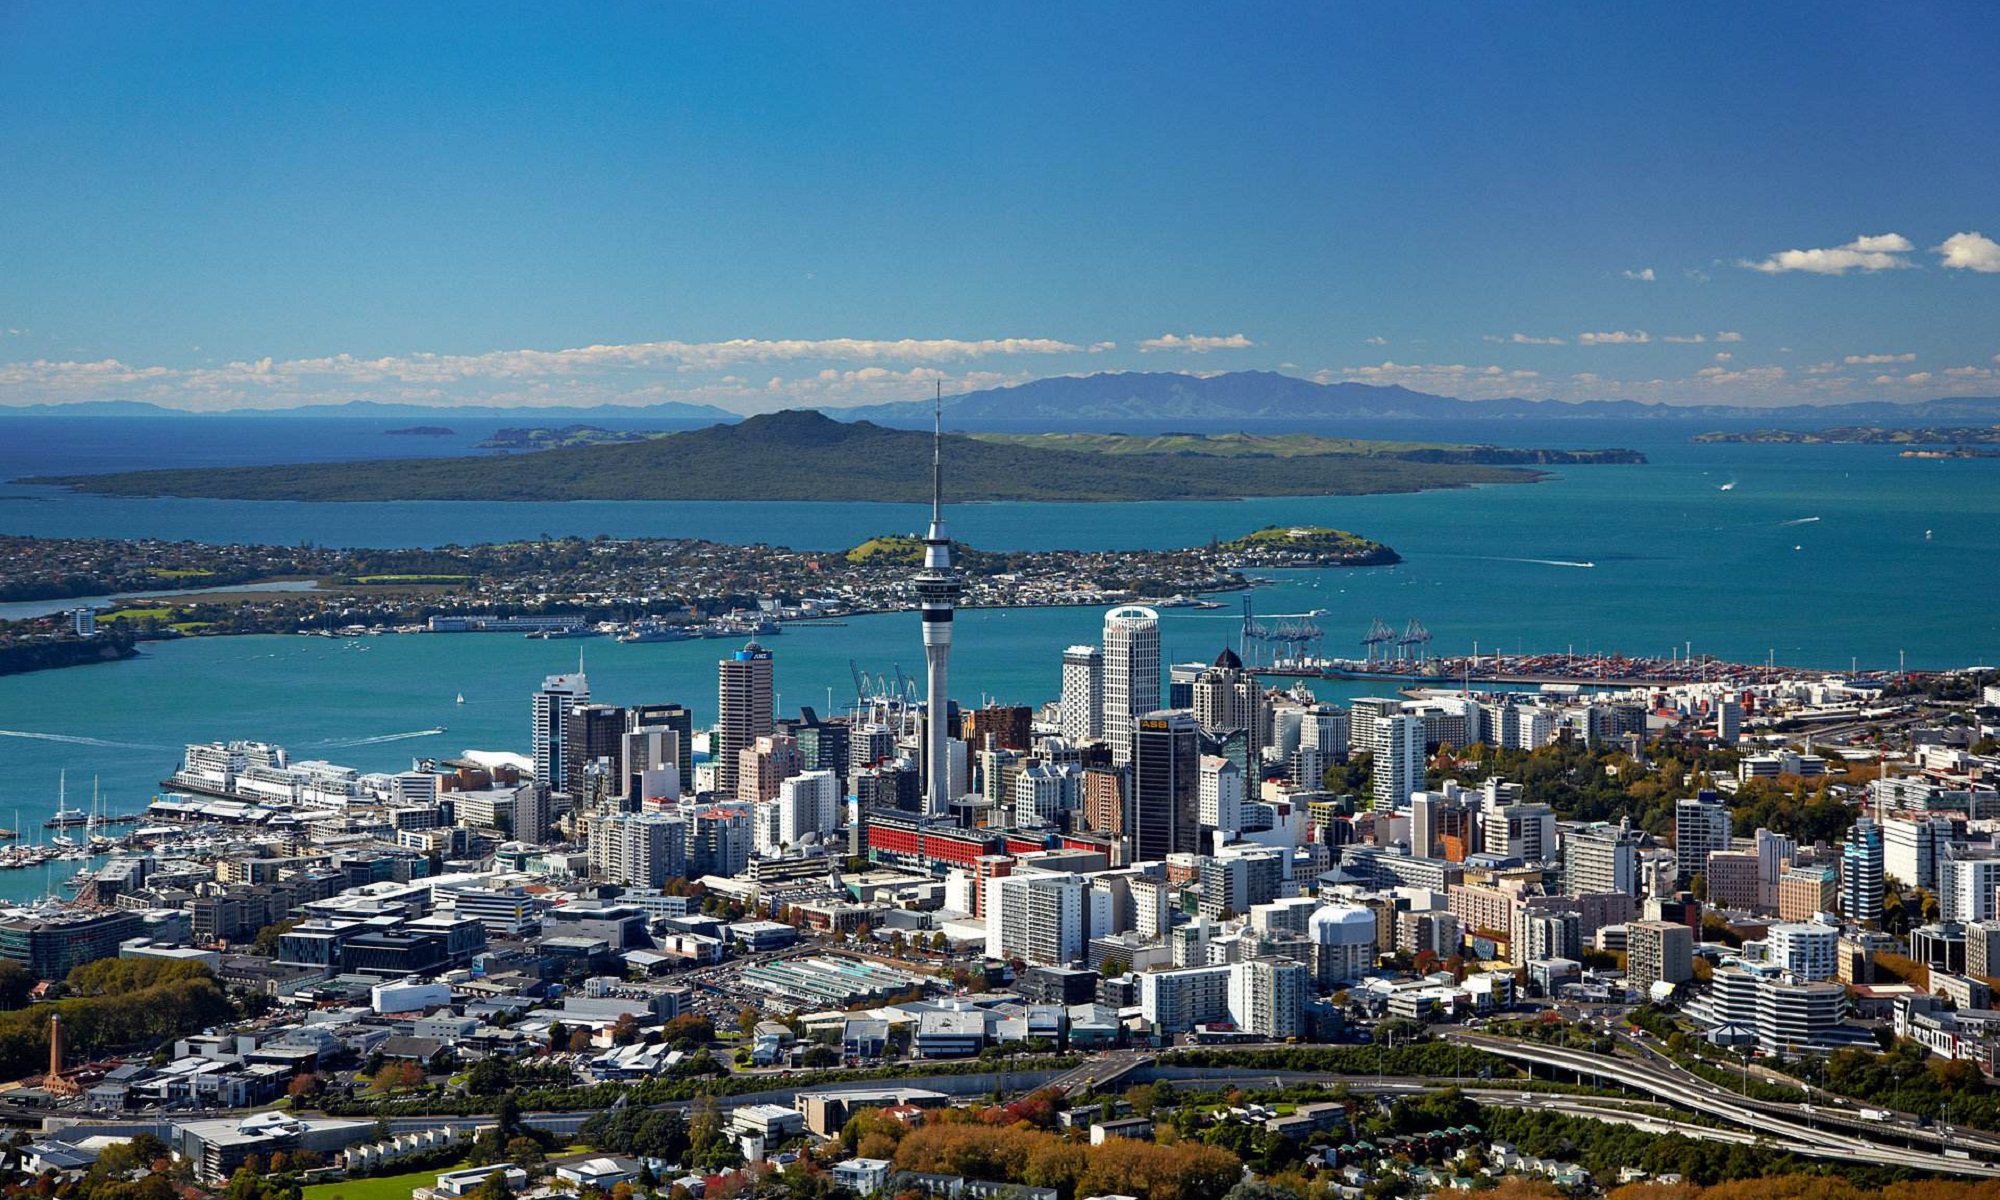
1398 765
595 731
1861 872
1010 727
1131 674
1225 697
938 588
1701 827
869 745
764 764
1166 785
743 702
1324 733
825 744
558 696
1106 807
652 758
674 717
1221 795
1082 694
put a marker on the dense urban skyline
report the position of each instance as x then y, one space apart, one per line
218 206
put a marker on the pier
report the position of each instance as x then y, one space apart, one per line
1593 670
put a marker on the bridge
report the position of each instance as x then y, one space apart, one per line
1816 1135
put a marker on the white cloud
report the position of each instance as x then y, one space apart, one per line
1697 276
1377 341
1194 343
1723 356
1729 335
637 373
1445 379
1617 337
1524 339
1643 275
1881 252
1689 339
1854 360
1969 252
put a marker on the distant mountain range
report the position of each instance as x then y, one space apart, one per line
1265 396
1115 398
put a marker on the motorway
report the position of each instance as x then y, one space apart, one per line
1775 1122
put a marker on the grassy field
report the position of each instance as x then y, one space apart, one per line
411 578
382 1187
180 572
894 547
138 614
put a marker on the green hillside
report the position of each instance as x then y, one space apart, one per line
808 456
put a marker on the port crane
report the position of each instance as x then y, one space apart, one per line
1415 644
1292 636
1377 641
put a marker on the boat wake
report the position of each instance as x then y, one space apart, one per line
344 743
1546 562
74 740
1797 521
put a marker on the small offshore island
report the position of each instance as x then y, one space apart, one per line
1867 435
649 589
807 456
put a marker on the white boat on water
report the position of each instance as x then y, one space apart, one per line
65 816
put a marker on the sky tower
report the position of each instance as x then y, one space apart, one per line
938 588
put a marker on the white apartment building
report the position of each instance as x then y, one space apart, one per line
1220 794
1804 950
1082 694
1036 917
1267 997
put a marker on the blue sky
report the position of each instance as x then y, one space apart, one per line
759 205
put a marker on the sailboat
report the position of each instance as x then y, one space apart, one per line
461 697
65 815
92 835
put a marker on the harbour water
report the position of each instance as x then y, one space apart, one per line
1818 555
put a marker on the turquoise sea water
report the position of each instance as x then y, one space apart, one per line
1817 554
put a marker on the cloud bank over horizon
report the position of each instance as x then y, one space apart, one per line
750 375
